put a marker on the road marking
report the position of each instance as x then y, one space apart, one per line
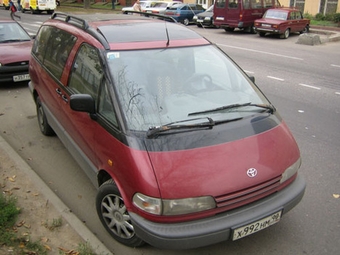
337 93
258 51
309 86
335 65
275 78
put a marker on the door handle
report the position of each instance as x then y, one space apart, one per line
64 98
58 91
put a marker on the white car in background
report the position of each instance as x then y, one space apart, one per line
143 5
160 7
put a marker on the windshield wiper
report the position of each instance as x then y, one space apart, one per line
231 106
175 125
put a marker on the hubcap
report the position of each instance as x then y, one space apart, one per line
116 216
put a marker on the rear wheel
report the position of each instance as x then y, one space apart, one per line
305 30
45 128
114 215
186 22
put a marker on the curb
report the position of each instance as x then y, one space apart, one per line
97 246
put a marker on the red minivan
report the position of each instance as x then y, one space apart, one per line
185 149
231 14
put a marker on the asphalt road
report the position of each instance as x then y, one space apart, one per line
301 81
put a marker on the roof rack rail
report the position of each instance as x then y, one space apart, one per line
153 15
78 22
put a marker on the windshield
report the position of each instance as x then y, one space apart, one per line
12 32
160 86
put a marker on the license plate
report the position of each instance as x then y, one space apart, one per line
266 25
200 20
22 77
256 226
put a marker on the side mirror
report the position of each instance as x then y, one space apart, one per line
83 103
252 78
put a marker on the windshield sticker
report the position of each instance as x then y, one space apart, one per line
112 55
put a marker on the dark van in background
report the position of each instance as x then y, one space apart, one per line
231 14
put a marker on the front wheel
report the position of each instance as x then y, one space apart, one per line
114 215
286 33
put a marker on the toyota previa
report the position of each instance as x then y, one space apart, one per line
185 149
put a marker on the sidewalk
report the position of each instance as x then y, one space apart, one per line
39 204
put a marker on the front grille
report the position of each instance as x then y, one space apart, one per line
248 195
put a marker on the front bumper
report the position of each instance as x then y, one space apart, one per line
7 73
193 234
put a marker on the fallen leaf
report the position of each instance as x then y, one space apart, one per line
44 239
47 247
21 223
336 195
11 179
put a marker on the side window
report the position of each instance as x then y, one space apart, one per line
298 15
105 107
57 51
41 42
87 72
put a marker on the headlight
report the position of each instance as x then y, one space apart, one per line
173 206
0 64
290 171
195 17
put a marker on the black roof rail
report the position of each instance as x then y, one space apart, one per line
78 22
152 15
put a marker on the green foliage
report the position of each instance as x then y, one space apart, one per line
8 215
319 16
336 17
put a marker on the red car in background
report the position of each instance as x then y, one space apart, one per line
282 21
15 52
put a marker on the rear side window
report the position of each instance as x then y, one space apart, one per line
52 47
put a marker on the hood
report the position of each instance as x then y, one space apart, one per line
15 52
221 169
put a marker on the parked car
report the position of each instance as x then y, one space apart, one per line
282 21
15 50
185 149
160 7
184 12
143 5
205 19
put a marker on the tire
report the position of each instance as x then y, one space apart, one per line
186 22
262 34
114 216
285 34
45 128
305 30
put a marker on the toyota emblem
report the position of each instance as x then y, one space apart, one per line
251 172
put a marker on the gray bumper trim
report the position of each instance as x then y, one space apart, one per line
193 234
